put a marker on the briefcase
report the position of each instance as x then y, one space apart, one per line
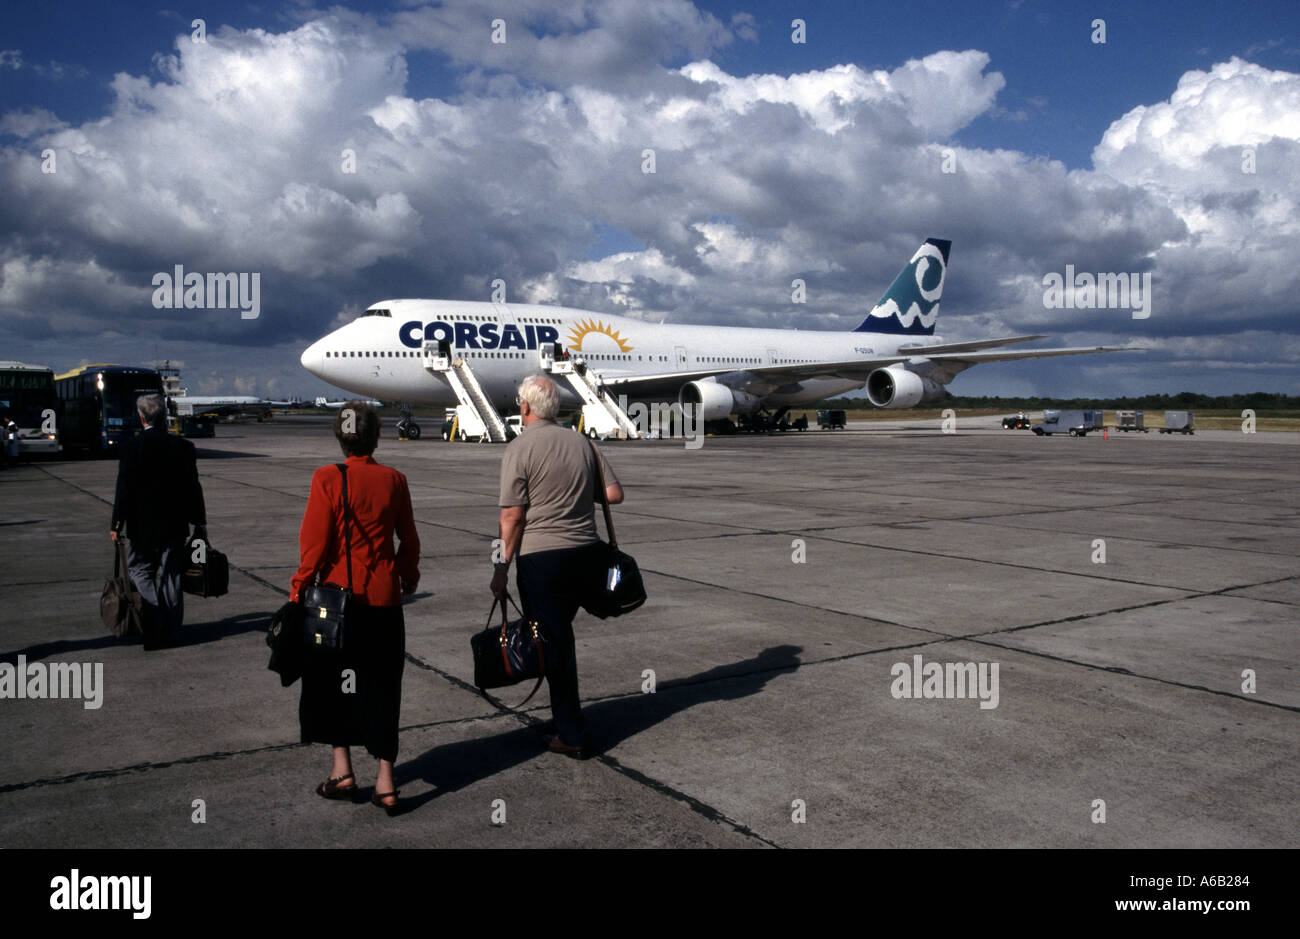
120 605
509 653
209 577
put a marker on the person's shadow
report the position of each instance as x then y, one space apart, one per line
454 766
187 635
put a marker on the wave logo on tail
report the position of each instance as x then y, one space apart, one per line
911 304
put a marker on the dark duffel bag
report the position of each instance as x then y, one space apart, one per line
620 589
510 653
120 605
207 572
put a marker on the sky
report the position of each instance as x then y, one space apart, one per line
133 140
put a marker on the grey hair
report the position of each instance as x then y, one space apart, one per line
152 408
542 396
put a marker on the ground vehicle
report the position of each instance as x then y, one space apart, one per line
98 403
27 395
830 420
1075 423
191 426
1179 422
1130 420
1018 422
514 426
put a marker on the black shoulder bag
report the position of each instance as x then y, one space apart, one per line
326 606
621 589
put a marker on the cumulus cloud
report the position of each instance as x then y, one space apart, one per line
1221 153
236 155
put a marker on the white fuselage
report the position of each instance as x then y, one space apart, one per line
382 356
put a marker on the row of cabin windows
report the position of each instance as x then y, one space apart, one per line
403 354
478 319
485 353
727 360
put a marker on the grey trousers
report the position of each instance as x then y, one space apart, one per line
156 573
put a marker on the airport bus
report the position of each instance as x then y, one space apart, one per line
27 395
98 403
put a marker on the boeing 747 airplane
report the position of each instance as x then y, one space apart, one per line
718 370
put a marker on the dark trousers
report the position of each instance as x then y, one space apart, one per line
156 573
551 587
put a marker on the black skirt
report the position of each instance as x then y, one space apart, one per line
354 698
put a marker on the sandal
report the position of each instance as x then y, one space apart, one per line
330 788
378 799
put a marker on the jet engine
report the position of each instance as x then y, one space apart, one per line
899 387
712 401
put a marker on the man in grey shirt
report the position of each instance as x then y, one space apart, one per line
548 498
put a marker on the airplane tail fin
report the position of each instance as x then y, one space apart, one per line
911 304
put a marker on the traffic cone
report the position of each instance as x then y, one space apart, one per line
1105 433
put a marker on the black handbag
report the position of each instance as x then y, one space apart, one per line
284 636
620 589
326 606
208 578
120 605
510 653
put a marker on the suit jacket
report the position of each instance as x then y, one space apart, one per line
158 491
380 504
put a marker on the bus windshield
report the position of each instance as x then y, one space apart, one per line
25 394
27 397
119 395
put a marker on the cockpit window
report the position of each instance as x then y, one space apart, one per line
387 313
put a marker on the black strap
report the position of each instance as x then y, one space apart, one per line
604 502
347 523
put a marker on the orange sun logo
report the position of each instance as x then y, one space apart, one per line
584 327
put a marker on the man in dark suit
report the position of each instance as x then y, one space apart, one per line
158 497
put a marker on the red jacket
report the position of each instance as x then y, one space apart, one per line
381 505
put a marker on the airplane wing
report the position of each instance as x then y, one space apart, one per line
967 346
948 360
758 380
949 364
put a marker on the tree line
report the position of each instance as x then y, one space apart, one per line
1183 401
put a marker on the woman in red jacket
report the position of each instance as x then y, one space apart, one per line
354 697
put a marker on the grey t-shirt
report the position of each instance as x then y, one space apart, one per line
550 469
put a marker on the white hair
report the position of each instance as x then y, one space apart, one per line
542 396
152 408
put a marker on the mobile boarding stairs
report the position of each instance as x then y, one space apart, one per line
477 419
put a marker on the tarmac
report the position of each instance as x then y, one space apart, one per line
1135 597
